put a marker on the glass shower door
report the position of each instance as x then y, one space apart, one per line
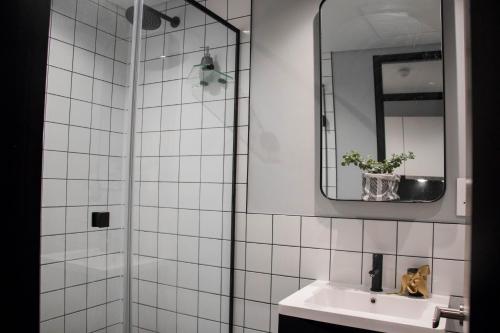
84 199
183 171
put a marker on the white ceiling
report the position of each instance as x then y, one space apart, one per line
369 24
412 77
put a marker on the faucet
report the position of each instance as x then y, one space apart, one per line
376 272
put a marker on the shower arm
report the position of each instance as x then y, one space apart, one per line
172 20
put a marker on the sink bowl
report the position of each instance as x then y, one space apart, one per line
356 306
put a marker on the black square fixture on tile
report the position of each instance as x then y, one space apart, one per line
100 219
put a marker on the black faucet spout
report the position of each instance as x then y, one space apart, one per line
376 272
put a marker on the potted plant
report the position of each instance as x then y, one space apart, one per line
379 181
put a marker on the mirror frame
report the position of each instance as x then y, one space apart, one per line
378 93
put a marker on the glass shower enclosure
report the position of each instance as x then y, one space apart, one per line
138 187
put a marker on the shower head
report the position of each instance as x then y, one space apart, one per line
151 18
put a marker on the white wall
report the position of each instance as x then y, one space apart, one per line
284 125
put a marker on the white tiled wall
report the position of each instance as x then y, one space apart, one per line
328 162
81 266
281 253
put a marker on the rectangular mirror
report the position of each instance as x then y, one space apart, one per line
382 100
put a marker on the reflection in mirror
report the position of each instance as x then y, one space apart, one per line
382 100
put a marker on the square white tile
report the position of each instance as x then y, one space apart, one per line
258 287
315 263
190 142
53 192
191 116
213 114
286 230
57 109
96 293
167 246
60 54
259 228
257 315
167 272
380 236
51 277
188 249
187 275
210 251
189 169
54 164
154 47
151 119
53 221
189 222
258 257
171 92
415 239
187 301
211 281
55 137
51 304
81 113
75 298
449 241
448 277
211 196
212 168
62 27
189 195
81 87
106 20
87 12
286 260
209 306
213 141
316 232
194 39
347 234
346 267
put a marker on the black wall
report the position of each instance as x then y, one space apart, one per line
485 71
26 25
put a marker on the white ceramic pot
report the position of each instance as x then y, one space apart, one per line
380 187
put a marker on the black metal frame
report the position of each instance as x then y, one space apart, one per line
443 52
235 149
380 97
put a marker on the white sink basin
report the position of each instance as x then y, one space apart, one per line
352 306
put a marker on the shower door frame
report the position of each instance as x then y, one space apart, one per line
134 74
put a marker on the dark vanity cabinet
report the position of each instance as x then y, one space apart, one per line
289 324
